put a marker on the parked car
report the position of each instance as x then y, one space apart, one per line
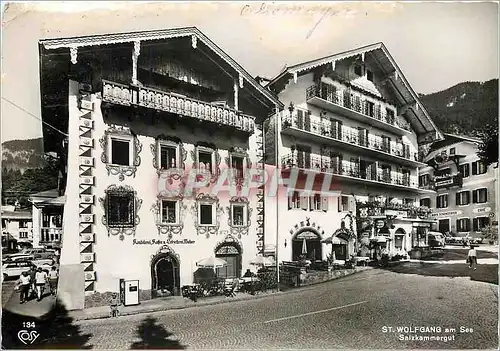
435 239
15 269
476 240
18 257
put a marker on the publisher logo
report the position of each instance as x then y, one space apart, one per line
28 337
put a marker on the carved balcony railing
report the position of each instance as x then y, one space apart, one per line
375 208
353 137
342 97
50 235
321 164
175 103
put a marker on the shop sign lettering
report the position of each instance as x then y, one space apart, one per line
162 242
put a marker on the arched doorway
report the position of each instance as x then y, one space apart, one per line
231 253
165 277
307 243
399 239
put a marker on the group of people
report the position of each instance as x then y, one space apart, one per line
33 282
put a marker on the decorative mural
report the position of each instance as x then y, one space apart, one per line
307 223
239 230
260 191
120 170
86 190
127 226
181 162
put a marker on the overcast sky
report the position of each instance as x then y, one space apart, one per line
437 45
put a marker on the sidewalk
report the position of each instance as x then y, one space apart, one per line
32 308
479 261
178 302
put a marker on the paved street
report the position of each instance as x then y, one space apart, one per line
347 313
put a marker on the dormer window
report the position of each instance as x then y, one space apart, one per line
369 75
358 70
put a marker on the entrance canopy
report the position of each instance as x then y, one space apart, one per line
308 235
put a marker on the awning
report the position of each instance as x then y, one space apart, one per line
334 240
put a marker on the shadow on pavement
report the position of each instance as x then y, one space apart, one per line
154 336
55 330
484 273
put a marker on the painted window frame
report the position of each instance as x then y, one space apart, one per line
212 153
177 211
167 143
131 152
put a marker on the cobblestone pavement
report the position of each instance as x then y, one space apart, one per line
346 313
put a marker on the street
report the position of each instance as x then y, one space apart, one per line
359 311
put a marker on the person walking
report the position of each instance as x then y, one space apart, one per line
472 257
23 284
40 281
53 278
32 290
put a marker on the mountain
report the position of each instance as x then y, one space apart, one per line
22 154
465 108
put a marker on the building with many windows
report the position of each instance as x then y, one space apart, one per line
142 111
353 118
17 228
465 199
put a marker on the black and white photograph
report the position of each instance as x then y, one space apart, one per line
235 175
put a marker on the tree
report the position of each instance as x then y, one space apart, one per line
488 148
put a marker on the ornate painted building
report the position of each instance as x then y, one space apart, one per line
465 199
142 110
354 122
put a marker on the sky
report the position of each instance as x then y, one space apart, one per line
436 45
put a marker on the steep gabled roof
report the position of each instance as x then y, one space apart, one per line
130 37
388 65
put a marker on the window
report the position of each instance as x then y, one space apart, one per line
464 170
478 168
424 180
442 201
452 151
370 108
121 209
425 202
479 223
239 215
480 196
206 214
169 212
358 70
23 224
120 151
237 163
316 202
205 160
294 200
408 201
369 75
344 204
463 224
168 156
463 198
23 235
390 115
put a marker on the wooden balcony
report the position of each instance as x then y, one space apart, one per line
339 101
174 103
352 174
50 235
324 133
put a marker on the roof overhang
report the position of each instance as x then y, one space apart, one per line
415 111
196 35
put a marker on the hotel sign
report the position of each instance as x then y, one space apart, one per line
482 210
446 214
448 181
162 242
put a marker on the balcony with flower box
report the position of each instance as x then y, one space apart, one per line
351 173
338 100
345 139
406 211
130 95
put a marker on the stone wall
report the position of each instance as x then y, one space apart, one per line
319 276
98 299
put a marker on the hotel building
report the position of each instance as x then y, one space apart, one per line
352 117
141 109
465 199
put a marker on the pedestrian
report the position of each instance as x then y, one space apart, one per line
53 277
114 303
472 257
40 281
23 284
32 290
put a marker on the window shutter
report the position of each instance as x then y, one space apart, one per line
303 202
475 226
352 204
214 214
467 198
311 203
457 196
474 168
324 203
474 196
290 201
485 195
339 204
458 225
467 224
